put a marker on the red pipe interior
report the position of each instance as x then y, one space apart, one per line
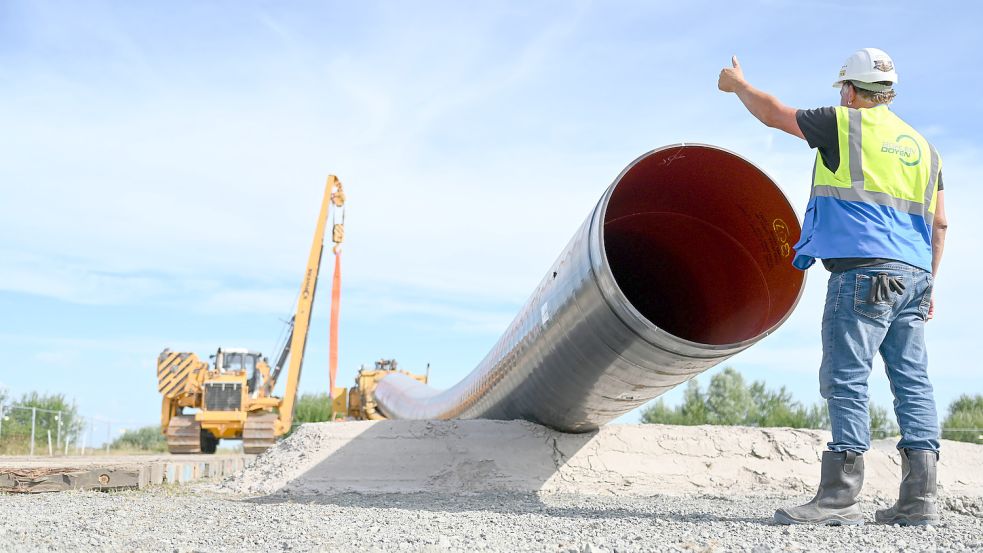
699 241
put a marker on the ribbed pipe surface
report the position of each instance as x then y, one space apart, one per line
684 262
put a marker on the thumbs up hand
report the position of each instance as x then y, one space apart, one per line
731 78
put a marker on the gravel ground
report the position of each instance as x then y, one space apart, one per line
193 519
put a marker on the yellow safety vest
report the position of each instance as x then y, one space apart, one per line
880 201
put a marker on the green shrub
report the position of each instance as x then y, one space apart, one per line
965 420
882 422
54 414
312 408
148 438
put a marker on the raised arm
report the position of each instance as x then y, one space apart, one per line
768 109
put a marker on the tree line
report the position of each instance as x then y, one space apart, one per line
730 400
727 400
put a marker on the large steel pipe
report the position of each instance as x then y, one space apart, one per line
684 262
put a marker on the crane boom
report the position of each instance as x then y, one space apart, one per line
302 317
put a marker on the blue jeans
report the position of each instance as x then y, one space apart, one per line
854 330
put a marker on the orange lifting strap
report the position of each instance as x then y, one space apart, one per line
337 236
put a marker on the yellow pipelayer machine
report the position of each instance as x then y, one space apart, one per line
233 397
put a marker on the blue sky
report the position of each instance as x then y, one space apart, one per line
161 166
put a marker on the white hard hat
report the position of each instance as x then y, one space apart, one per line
868 66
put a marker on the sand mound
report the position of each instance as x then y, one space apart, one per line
517 456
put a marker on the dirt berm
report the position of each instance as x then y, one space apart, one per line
481 455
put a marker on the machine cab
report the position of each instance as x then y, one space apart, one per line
249 363
237 360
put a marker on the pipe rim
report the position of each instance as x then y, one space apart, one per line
623 308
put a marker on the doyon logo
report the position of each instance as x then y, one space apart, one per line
906 148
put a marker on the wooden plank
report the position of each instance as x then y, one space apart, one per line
58 480
173 469
157 473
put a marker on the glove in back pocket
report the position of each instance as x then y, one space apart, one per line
862 299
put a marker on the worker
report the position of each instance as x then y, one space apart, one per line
876 219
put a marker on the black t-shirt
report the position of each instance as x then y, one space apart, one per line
818 126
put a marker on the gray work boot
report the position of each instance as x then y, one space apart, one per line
916 500
836 501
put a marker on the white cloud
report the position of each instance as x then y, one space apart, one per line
264 300
60 357
453 316
235 194
72 281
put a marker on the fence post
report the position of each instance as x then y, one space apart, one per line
58 420
50 452
88 435
1 420
109 434
34 418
